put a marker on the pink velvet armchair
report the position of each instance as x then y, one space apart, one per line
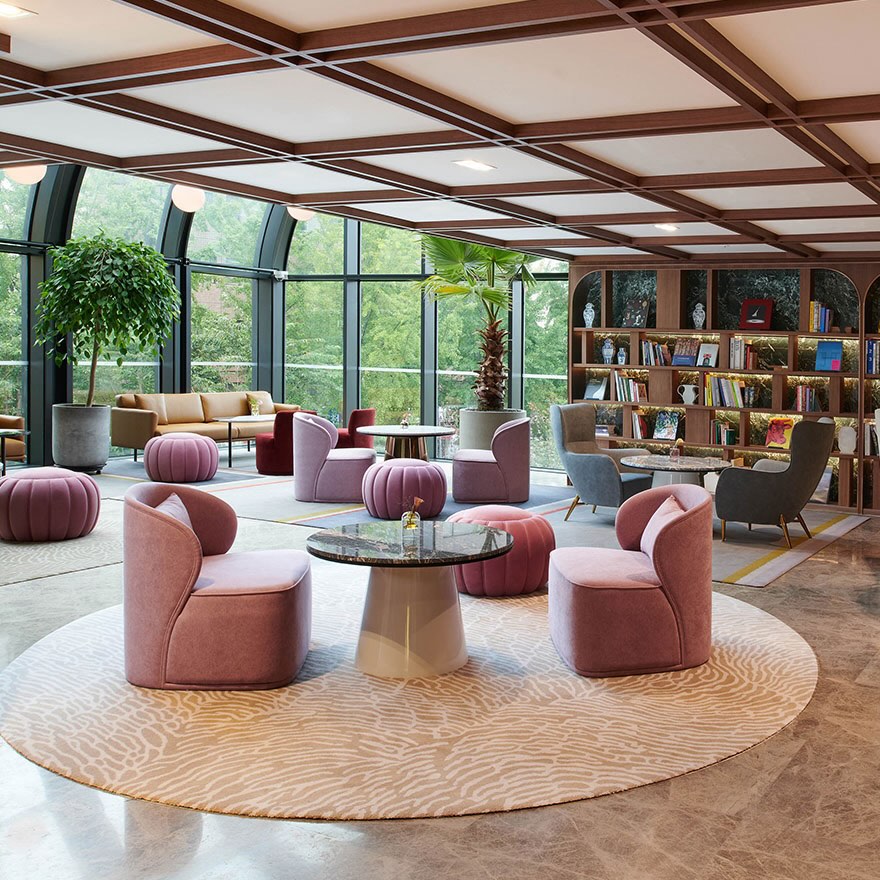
349 438
648 606
198 617
499 475
321 472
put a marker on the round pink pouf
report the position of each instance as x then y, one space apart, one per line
390 486
524 569
48 504
181 458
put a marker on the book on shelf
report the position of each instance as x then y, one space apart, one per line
806 399
872 447
724 392
779 432
872 354
722 433
829 355
667 424
596 389
743 355
640 425
655 354
707 356
685 352
630 390
821 317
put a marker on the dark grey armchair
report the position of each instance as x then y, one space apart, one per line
594 472
769 495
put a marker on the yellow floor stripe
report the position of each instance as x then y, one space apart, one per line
770 557
331 512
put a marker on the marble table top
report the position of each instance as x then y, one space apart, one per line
11 432
409 431
684 464
432 543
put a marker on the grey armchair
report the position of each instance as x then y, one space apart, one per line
768 495
595 473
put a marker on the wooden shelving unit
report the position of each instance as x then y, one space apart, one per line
789 359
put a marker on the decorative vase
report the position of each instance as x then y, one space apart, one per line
688 394
621 355
589 315
410 521
846 440
608 351
699 316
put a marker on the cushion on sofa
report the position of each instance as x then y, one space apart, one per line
174 507
184 408
126 401
212 430
666 513
267 406
224 404
155 402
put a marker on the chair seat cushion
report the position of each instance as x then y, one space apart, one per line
255 571
600 568
351 455
474 455
214 430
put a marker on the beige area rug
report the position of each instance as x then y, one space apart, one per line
26 561
513 728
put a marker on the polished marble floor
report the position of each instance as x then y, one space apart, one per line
804 804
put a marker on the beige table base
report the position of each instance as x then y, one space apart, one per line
411 626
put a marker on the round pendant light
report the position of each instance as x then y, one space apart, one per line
26 174
300 213
188 198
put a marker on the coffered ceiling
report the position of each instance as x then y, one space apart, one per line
749 128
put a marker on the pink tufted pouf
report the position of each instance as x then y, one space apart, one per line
390 486
524 569
181 458
47 504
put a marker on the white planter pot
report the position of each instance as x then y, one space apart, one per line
80 436
477 427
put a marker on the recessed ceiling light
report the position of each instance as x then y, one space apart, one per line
474 164
7 10
666 227
303 214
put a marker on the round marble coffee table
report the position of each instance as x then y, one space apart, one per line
408 442
684 469
411 626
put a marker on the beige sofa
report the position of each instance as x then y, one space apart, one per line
138 417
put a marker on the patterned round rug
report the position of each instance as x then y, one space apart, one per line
513 728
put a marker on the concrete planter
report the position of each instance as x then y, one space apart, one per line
80 436
477 427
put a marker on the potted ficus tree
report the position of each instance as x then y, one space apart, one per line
106 297
464 269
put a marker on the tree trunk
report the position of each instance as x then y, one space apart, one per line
92 371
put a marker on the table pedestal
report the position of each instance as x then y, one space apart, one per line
411 626
406 447
674 478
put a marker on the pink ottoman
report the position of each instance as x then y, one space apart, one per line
47 504
524 569
180 458
390 486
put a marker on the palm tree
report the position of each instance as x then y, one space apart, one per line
465 269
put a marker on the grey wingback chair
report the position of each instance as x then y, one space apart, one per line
768 495
595 473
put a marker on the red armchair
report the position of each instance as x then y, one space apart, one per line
275 450
349 438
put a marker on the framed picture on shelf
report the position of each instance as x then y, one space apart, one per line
829 355
636 313
779 432
685 352
666 426
707 356
756 314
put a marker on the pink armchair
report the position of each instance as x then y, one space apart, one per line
349 438
481 476
646 607
198 617
321 472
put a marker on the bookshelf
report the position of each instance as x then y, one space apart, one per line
781 375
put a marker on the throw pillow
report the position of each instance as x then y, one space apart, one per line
669 510
172 506
253 405
155 402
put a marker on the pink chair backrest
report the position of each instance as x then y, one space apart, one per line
511 448
313 438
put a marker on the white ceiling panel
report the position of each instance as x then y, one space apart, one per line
816 51
86 129
815 194
700 153
836 246
291 104
642 230
563 78
863 137
520 233
727 249
439 166
429 210
598 203
311 15
294 178
67 34
811 227
601 252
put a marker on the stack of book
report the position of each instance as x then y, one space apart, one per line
806 399
640 425
820 317
722 433
721 391
655 354
629 389
743 355
873 350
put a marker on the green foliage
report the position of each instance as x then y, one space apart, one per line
108 294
